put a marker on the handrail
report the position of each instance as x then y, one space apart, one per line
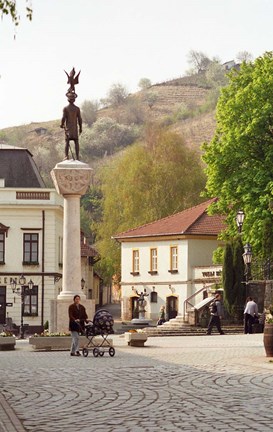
187 302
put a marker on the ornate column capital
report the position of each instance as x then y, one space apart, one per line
71 177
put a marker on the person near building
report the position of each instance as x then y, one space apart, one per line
216 313
161 318
77 318
250 313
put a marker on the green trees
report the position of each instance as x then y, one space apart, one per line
89 111
144 83
105 137
150 180
240 156
233 276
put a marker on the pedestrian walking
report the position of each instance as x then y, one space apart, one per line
77 318
250 314
216 313
161 318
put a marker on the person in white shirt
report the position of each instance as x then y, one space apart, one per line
250 312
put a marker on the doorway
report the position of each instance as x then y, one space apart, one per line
2 305
134 307
171 307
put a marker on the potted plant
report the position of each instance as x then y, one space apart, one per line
7 341
268 332
136 337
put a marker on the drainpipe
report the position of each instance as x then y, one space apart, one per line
43 270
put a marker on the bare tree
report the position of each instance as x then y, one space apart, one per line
116 95
244 56
198 60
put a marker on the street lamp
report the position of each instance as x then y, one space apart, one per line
240 220
247 257
82 283
22 291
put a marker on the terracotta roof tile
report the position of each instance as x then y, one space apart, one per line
194 220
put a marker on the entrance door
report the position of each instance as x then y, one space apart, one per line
2 305
171 308
134 307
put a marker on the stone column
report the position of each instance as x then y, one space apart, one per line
71 179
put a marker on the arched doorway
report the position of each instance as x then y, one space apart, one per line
134 307
171 307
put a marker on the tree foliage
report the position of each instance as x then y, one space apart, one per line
105 137
89 111
116 95
9 7
240 156
233 276
144 83
155 178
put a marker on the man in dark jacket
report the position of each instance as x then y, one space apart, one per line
215 315
77 318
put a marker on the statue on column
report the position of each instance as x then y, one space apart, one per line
71 120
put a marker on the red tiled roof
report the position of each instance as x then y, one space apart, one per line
88 251
194 221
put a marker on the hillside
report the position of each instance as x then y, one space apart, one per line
177 103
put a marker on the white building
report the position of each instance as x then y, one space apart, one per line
171 259
31 242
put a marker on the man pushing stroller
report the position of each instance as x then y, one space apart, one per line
77 318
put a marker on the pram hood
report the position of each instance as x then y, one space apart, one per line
102 323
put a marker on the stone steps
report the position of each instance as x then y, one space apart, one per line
187 330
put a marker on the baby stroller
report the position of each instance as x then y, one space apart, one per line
102 325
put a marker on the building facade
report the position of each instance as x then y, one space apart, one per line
171 260
31 244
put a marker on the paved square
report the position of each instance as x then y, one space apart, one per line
199 383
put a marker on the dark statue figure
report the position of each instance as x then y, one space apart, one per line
71 120
72 81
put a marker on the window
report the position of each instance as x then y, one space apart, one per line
31 301
135 262
174 260
2 248
31 249
153 297
153 261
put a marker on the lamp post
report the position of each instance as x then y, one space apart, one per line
247 257
240 220
22 291
82 283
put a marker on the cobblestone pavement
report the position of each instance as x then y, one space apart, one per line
198 383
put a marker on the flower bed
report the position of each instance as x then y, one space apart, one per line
58 342
135 338
7 341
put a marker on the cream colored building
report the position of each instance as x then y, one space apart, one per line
31 242
171 260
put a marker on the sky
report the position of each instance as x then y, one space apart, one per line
116 41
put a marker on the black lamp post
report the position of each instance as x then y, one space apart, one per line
247 257
240 220
22 291
82 283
